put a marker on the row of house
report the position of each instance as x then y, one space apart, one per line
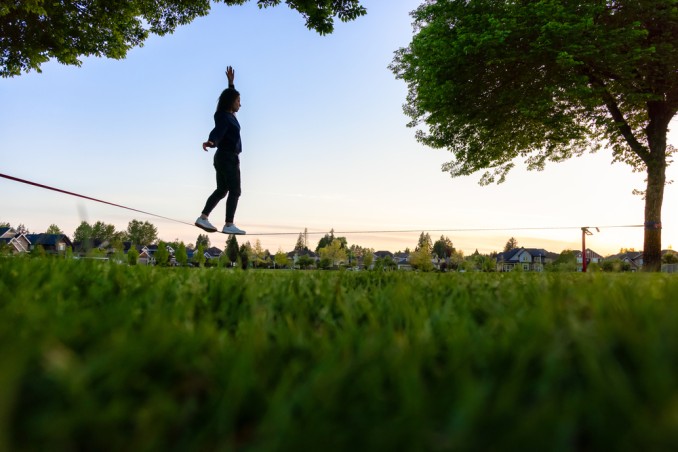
528 259
535 259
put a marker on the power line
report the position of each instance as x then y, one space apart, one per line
396 231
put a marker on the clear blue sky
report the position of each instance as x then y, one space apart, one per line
324 137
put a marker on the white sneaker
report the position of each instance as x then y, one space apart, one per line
205 224
232 229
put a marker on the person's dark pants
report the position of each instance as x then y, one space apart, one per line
228 182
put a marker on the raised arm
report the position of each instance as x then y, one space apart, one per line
230 74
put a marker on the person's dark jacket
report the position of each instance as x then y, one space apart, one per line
226 136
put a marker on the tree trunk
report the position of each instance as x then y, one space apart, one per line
654 194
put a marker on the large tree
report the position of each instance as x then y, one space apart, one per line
104 232
141 233
232 248
443 247
544 80
511 244
34 31
335 252
83 236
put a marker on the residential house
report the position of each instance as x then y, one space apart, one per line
147 254
294 256
591 258
402 261
213 254
529 259
51 243
633 258
17 243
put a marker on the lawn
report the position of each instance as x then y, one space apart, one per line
100 356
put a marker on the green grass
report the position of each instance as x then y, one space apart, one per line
96 356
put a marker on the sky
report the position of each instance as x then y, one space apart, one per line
325 146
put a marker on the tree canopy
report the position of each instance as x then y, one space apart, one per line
511 244
141 233
34 31
492 81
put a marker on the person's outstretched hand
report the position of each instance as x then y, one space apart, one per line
230 74
207 144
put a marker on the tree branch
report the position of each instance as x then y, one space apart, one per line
619 119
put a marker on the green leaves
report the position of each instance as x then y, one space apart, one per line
32 32
492 81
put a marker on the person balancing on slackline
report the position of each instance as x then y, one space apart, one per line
226 138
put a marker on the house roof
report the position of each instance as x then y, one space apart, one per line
300 253
4 230
214 251
589 254
629 255
47 239
383 254
512 255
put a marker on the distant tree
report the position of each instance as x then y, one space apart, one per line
162 254
482 262
301 243
22 229
181 255
443 247
670 257
244 255
204 240
420 259
36 31
565 262
368 257
4 224
424 243
132 255
103 232
511 244
258 257
232 249
334 251
117 244
4 247
83 236
53 229
38 251
199 256
387 263
325 240
281 260
488 264
305 261
141 233
456 260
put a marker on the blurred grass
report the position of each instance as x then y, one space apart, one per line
96 356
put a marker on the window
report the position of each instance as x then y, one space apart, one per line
61 246
526 266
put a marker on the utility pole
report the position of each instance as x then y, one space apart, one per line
584 232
